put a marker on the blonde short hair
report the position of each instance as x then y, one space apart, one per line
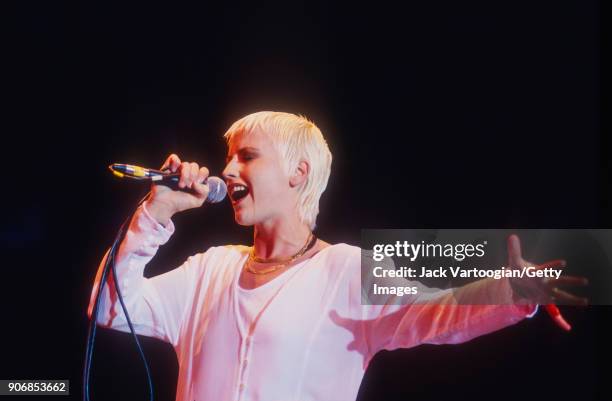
296 139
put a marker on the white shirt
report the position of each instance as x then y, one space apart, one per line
252 303
312 340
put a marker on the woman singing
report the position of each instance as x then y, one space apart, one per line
282 319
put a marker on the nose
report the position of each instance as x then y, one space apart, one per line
231 169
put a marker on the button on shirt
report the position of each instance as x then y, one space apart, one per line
305 337
252 304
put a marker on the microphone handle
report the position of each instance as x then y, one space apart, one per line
218 189
169 180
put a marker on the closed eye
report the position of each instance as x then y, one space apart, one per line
244 154
247 154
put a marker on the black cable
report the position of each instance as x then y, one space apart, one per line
92 324
91 333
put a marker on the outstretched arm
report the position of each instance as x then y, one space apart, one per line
454 315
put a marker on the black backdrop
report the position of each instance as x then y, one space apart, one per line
441 115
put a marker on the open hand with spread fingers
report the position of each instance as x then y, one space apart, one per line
545 288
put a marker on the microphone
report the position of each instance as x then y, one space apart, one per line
217 186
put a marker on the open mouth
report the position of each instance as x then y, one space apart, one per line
238 192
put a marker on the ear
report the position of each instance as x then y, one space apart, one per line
300 174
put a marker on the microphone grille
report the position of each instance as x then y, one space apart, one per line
217 188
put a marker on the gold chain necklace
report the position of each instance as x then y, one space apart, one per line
280 264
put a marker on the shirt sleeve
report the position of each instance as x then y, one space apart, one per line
156 306
437 316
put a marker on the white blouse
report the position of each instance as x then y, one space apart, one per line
303 336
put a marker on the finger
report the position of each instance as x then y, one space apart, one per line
201 189
175 163
561 322
566 280
568 298
199 185
557 263
555 314
185 172
193 173
202 175
514 250
172 163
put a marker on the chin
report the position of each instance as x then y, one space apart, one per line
242 220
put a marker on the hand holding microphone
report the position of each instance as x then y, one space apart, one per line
177 187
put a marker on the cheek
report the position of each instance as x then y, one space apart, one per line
273 189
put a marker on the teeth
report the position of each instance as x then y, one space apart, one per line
238 188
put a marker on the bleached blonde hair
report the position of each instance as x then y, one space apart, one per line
296 139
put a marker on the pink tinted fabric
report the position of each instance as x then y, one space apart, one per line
303 336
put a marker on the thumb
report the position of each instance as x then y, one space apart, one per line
515 256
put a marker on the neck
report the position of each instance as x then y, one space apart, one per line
281 238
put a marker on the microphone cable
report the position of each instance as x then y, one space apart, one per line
109 264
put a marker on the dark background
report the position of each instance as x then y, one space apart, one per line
439 115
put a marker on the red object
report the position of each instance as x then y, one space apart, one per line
555 314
